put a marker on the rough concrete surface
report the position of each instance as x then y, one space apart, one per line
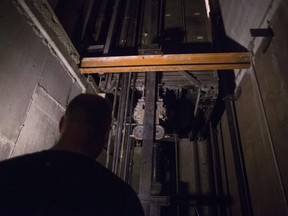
34 86
40 129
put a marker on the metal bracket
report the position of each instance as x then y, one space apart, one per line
267 33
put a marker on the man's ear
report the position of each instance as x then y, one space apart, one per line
61 124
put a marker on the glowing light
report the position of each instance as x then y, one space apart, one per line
207 7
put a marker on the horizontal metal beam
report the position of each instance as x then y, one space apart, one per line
162 60
173 62
191 78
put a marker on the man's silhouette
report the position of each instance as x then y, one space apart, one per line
66 180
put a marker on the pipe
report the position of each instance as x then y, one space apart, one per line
197 101
125 24
113 113
118 128
177 169
128 149
87 16
111 28
100 20
121 118
124 134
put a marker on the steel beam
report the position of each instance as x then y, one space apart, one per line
111 28
171 62
191 78
150 27
239 162
148 141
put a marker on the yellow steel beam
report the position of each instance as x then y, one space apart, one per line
173 62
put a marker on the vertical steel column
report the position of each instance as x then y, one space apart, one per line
147 143
120 123
113 116
176 145
129 141
124 130
239 162
217 171
111 27
206 180
151 25
156 169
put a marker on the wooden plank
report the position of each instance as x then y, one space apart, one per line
173 59
166 68
173 62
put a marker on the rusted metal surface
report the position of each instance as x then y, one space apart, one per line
173 62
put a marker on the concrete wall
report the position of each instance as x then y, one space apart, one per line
261 109
240 16
34 85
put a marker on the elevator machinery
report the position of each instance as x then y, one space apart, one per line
161 64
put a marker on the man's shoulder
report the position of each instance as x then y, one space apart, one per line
44 158
61 163
51 175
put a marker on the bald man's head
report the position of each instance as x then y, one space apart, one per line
89 112
85 126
